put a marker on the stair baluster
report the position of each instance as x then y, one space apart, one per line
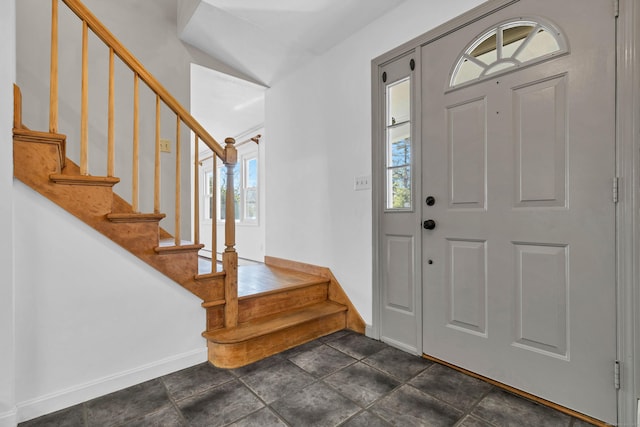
53 85
214 215
196 193
84 111
176 232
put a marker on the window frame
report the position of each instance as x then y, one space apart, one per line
536 22
389 125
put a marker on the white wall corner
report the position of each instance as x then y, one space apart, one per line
7 281
186 9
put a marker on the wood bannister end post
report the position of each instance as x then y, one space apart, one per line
231 153
17 107
230 160
230 266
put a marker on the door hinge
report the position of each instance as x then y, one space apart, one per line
616 374
615 189
616 8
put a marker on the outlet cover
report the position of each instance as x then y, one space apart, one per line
362 183
165 145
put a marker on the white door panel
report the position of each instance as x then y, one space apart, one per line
400 238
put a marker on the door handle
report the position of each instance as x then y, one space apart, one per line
429 224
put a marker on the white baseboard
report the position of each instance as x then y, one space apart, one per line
369 331
9 419
56 401
401 346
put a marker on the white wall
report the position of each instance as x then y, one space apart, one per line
319 124
7 290
91 318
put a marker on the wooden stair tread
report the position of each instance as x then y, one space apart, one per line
104 181
277 322
26 134
132 217
172 249
209 276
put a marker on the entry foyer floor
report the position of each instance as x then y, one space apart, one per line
342 379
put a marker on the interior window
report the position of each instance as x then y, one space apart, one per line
245 189
250 189
209 194
510 45
222 192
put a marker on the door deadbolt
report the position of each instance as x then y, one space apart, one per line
431 201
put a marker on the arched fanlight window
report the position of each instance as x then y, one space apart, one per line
509 45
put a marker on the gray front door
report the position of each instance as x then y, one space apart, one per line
518 153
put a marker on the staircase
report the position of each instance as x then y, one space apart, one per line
286 308
252 311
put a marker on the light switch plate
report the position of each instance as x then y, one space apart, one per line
165 145
362 183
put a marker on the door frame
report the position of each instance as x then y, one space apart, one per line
628 173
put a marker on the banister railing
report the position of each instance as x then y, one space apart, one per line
132 62
228 154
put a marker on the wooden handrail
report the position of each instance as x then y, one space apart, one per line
132 62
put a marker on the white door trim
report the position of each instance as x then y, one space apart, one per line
628 167
628 216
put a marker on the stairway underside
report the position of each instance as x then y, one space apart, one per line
281 304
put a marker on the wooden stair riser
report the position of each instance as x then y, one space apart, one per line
137 237
34 162
215 317
207 290
336 293
179 266
235 355
258 306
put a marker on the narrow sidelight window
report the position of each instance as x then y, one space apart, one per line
399 150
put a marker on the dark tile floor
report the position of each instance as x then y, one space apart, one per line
343 379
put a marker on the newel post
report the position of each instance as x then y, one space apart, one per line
230 256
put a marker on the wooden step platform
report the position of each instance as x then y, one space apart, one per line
262 337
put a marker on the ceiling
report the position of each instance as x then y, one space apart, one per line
225 105
263 40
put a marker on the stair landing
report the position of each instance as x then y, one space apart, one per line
256 278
